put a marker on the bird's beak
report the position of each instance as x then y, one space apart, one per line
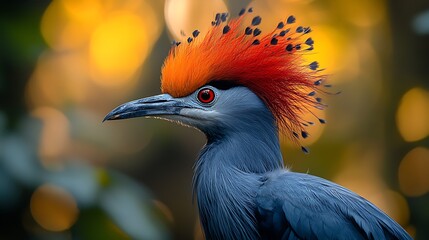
159 105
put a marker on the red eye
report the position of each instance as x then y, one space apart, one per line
206 95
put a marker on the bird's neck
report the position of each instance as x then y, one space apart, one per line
227 176
250 143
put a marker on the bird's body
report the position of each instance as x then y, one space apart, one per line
242 189
244 192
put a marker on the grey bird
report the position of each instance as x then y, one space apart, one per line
241 90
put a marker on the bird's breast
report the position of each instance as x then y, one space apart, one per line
226 203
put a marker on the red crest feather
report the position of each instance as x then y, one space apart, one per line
271 65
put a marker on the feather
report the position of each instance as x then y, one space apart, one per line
273 68
314 208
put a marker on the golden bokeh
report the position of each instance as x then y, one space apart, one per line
117 49
115 36
360 173
332 51
58 79
185 16
84 10
413 172
67 24
53 208
54 138
394 205
99 46
364 13
412 117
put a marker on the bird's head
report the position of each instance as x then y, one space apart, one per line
223 80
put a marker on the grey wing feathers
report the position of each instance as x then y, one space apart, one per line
301 206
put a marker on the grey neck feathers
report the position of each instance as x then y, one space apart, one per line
227 176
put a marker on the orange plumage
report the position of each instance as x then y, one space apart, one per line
271 65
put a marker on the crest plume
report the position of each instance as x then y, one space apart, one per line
271 65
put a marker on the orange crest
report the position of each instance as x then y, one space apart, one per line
271 65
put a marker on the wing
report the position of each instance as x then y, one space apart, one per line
301 206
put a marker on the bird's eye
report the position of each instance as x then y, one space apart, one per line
206 95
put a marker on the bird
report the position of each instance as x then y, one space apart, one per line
244 90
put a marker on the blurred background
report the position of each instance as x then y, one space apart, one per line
64 64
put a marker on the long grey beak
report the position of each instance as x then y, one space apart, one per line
159 105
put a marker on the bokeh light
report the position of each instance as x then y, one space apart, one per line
364 13
117 49
58 71
115 37
67 24
360 174
413 172
76 60
184 16
393 204
53 208
54 138
334 52
412 116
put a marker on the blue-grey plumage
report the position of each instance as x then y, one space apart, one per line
242 189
